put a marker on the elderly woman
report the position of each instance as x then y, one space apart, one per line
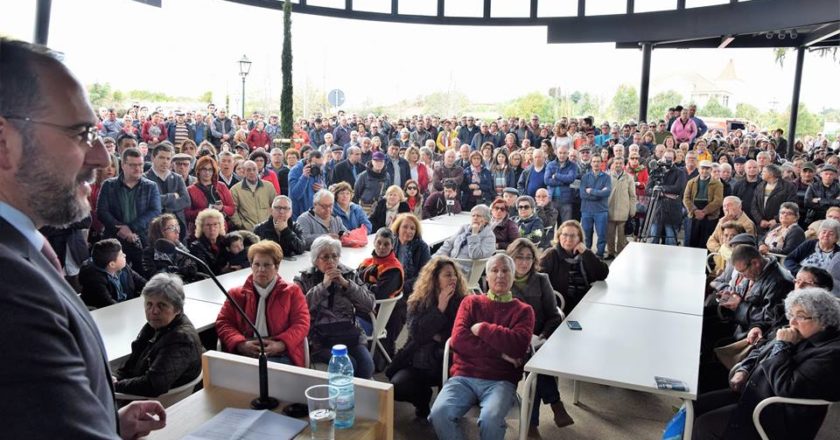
570 266
320 220
534 289
208 192
208 243
787 235
388 208
351 214
335 295
432 309
166 227
414 197
817 252
410 249
529 223
277 307
167 351
503 227
770 193
382 273
474 241
802 362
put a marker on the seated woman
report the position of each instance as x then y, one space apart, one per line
534 289
383 275
474 241
166 227
207 192
802 362
529 223
167 352
387 209
410 249
351 214
277 307
432 309
335 295
787 235
571 267
414 197
817 252
104 277
503 227
208 245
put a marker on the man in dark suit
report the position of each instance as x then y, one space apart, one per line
348 170
55 376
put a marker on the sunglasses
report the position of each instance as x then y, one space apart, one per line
411 187
524 207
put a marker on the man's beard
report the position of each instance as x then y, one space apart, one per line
55 202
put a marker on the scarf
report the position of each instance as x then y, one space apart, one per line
507 297
261 323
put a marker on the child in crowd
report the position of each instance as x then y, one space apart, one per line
237 252
105 278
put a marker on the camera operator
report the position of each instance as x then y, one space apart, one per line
669 182
305 179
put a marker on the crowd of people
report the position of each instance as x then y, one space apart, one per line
238 195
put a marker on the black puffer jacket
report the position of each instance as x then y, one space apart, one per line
371 185
763 306
290 239
828 196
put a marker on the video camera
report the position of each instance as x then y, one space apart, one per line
657 170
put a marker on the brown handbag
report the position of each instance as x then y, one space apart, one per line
731 354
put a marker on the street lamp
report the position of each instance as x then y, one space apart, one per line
244 69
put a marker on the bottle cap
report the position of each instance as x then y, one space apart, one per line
339 350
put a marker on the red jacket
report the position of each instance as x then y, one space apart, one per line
271 176
287 317
422 178
257 139
506 329
199 202
145 132
641 177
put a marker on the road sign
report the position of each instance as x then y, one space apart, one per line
336 97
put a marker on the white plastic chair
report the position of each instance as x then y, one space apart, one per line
515 410
476 270
561 303
380 319
168 398
776 399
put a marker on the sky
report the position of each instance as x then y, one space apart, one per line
192 46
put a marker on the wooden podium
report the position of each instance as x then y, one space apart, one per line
230 381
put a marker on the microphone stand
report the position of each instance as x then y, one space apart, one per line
264 401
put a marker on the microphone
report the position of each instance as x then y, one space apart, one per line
263 401
449 205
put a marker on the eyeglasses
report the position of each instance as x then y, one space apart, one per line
525 207
328 257
172 229
83 133
330 206
499 208
564 235
523 258
281 208
799 318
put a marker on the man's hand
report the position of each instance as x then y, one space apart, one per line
139 418
732 302
699 214
515 362
124 232
738 380
281 225
307 170
754 336
475 328
316 187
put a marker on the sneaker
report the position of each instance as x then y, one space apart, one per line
561 417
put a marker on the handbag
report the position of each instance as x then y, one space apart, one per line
356 238
731 354
341 332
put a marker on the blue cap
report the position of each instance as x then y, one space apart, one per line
339 350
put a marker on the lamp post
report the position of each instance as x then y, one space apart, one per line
244 69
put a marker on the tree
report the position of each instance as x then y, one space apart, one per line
625 103
576 96
748 112
206 97
590 105
100 94
532 103
444 103
807 123
287 96
661 102
714 109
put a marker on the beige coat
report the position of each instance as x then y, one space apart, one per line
622 198
252 206
715 195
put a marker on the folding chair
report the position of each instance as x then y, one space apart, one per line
380 319
168 398
776 399
474 272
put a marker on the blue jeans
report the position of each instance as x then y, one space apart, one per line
599 220
359 356
282 359
459 394
670 234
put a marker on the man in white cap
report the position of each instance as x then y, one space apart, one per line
702 199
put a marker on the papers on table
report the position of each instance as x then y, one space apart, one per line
248 424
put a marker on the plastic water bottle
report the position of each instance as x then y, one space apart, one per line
340 373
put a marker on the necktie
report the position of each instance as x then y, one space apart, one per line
48 252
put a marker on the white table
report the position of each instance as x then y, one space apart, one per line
648 287
623 347
459 219
661 257
120 323
436 232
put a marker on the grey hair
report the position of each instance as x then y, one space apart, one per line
725 166
482 210
322 194
169 286
774 169
323 243
279 198
496 257
354 149
528 199
821 305
832 224
734 199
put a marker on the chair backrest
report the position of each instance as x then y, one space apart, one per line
775 399
168 398
475 271
445 375
382 314
561 301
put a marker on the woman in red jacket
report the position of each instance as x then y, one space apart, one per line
277 308
208 192
418 168
258 137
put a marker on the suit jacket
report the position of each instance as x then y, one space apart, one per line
55 376
343 172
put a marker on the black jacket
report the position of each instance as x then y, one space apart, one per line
539 294
202 249
343 172
405 171
744 190
98 291
290 240
763 305
784 191
161 359
828 197
156 262
556 262
377 217
669 211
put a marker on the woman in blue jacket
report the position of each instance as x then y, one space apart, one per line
351 214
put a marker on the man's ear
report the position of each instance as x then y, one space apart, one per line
7 152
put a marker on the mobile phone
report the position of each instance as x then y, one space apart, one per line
574 325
